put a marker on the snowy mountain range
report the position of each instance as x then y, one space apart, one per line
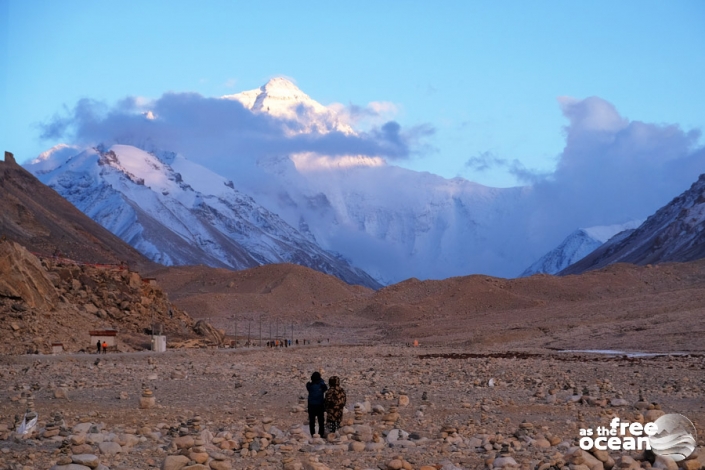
248 201
576 246
676 232
177 212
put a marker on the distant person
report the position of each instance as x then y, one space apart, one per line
316 395
334 402
98 347
105 347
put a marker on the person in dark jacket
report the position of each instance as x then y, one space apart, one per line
316 390
334 403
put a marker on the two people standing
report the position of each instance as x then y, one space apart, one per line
322 399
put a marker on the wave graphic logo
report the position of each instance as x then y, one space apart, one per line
675 437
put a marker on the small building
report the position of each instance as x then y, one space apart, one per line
152 281
57 348
107 336
159 343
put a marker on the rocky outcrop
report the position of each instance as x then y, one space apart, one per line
55 300
36 217
22 277
204 328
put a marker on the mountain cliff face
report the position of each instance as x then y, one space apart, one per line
41 220
575 247
176 212
676 232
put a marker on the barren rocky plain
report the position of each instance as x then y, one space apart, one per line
498 379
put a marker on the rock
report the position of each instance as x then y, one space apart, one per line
183 442
357 446
174 462
109 448
618 402
541 443
126 440
396 434
653 415
95 438
665 463
604 457
395 464
82 449
501 462
474 442
403 400
220 465
82 428
198 457
50 433
690 464
90 308
71 466
89 460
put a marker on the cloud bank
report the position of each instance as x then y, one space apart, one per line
213 129
612 169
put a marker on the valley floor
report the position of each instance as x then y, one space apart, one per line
242 408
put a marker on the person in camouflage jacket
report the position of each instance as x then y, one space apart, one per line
334 403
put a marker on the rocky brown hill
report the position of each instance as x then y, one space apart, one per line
38 218
43 301
652 308
283 290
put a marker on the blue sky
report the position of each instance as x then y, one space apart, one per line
485 75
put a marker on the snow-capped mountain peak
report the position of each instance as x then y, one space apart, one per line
281 98
576 246
175 211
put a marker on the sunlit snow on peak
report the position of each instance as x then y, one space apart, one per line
280 98
309 162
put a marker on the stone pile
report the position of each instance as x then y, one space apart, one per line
202 422
147 400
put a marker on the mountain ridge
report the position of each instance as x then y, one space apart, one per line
177 212
675 232
40 219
